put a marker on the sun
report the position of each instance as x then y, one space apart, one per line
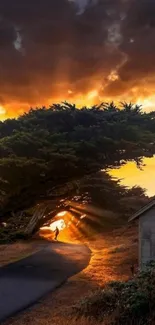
60 224
2 110
148 103
92 94
61 214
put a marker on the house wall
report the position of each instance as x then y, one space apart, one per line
147 237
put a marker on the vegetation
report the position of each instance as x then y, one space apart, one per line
45 150
131 302
105 266
101 189
51 153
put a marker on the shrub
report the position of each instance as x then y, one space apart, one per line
97 305
130 302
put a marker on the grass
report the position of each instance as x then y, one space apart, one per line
109 262
130 302
16 251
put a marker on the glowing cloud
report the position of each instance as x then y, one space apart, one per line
83 51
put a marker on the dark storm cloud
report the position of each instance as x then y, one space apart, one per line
49 46
138 45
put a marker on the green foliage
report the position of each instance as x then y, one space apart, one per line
100 189
45 148
98 305
131 302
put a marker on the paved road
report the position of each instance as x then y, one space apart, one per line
24 282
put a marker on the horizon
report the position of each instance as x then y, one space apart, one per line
78 105
86 51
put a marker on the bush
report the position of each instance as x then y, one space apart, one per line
97 305
9 235
130 302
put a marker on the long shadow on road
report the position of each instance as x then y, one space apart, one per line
24 282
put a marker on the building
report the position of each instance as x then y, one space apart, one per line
146 219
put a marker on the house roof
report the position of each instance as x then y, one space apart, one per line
140 212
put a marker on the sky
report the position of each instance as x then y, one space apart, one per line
130 175
83 51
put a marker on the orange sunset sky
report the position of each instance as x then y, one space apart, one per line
130 175
83 51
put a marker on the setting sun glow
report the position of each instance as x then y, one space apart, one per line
61 214
60 224
94 96
130 175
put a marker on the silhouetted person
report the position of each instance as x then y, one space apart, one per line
132 268
56 233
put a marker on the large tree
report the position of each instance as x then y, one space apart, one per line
44 150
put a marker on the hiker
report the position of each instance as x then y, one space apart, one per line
132 268
56 233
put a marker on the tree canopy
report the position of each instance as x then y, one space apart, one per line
48 147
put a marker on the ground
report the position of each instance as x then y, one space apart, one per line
112 255
13 252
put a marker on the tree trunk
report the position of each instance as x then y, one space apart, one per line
38 215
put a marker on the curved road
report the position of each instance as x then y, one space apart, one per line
24 282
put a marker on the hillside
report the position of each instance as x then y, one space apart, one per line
112 255
52 156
